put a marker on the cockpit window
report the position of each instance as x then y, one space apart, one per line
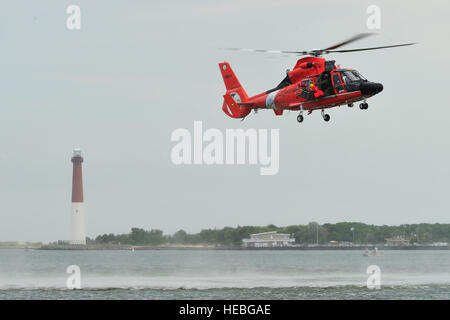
358 75
348 76
351 79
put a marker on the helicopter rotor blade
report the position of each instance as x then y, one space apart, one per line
350 40
372 48
267 51
319 52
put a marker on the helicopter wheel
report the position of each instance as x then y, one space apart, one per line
364 106
350 105
300 118
326 117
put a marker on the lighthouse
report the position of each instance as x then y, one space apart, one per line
77 224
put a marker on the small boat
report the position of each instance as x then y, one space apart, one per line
372 253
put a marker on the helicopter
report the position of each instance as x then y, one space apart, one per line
313 84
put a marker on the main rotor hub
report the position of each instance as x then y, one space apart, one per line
316 52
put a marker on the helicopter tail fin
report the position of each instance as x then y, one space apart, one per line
230 79
234 104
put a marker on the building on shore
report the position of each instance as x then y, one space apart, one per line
397 241
268 240
77 223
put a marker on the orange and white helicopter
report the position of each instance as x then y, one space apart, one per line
313 84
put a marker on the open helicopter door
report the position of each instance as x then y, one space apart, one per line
338 85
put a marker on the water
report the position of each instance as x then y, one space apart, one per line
209 274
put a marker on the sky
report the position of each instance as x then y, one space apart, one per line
136 71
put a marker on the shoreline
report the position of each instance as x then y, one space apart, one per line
234 248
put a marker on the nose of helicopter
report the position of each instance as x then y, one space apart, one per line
371 88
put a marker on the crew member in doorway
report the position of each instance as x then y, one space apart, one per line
317 92
324 83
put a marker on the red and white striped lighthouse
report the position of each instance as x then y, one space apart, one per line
77 224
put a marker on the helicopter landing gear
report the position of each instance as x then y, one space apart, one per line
300 116
350 105
325 116
364 106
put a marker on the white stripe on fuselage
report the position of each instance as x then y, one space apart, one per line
270 100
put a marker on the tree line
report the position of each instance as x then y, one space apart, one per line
355 232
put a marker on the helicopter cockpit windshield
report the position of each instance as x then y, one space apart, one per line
351 79
351 76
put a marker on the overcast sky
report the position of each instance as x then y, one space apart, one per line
137 70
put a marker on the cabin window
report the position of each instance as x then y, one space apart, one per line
307 82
